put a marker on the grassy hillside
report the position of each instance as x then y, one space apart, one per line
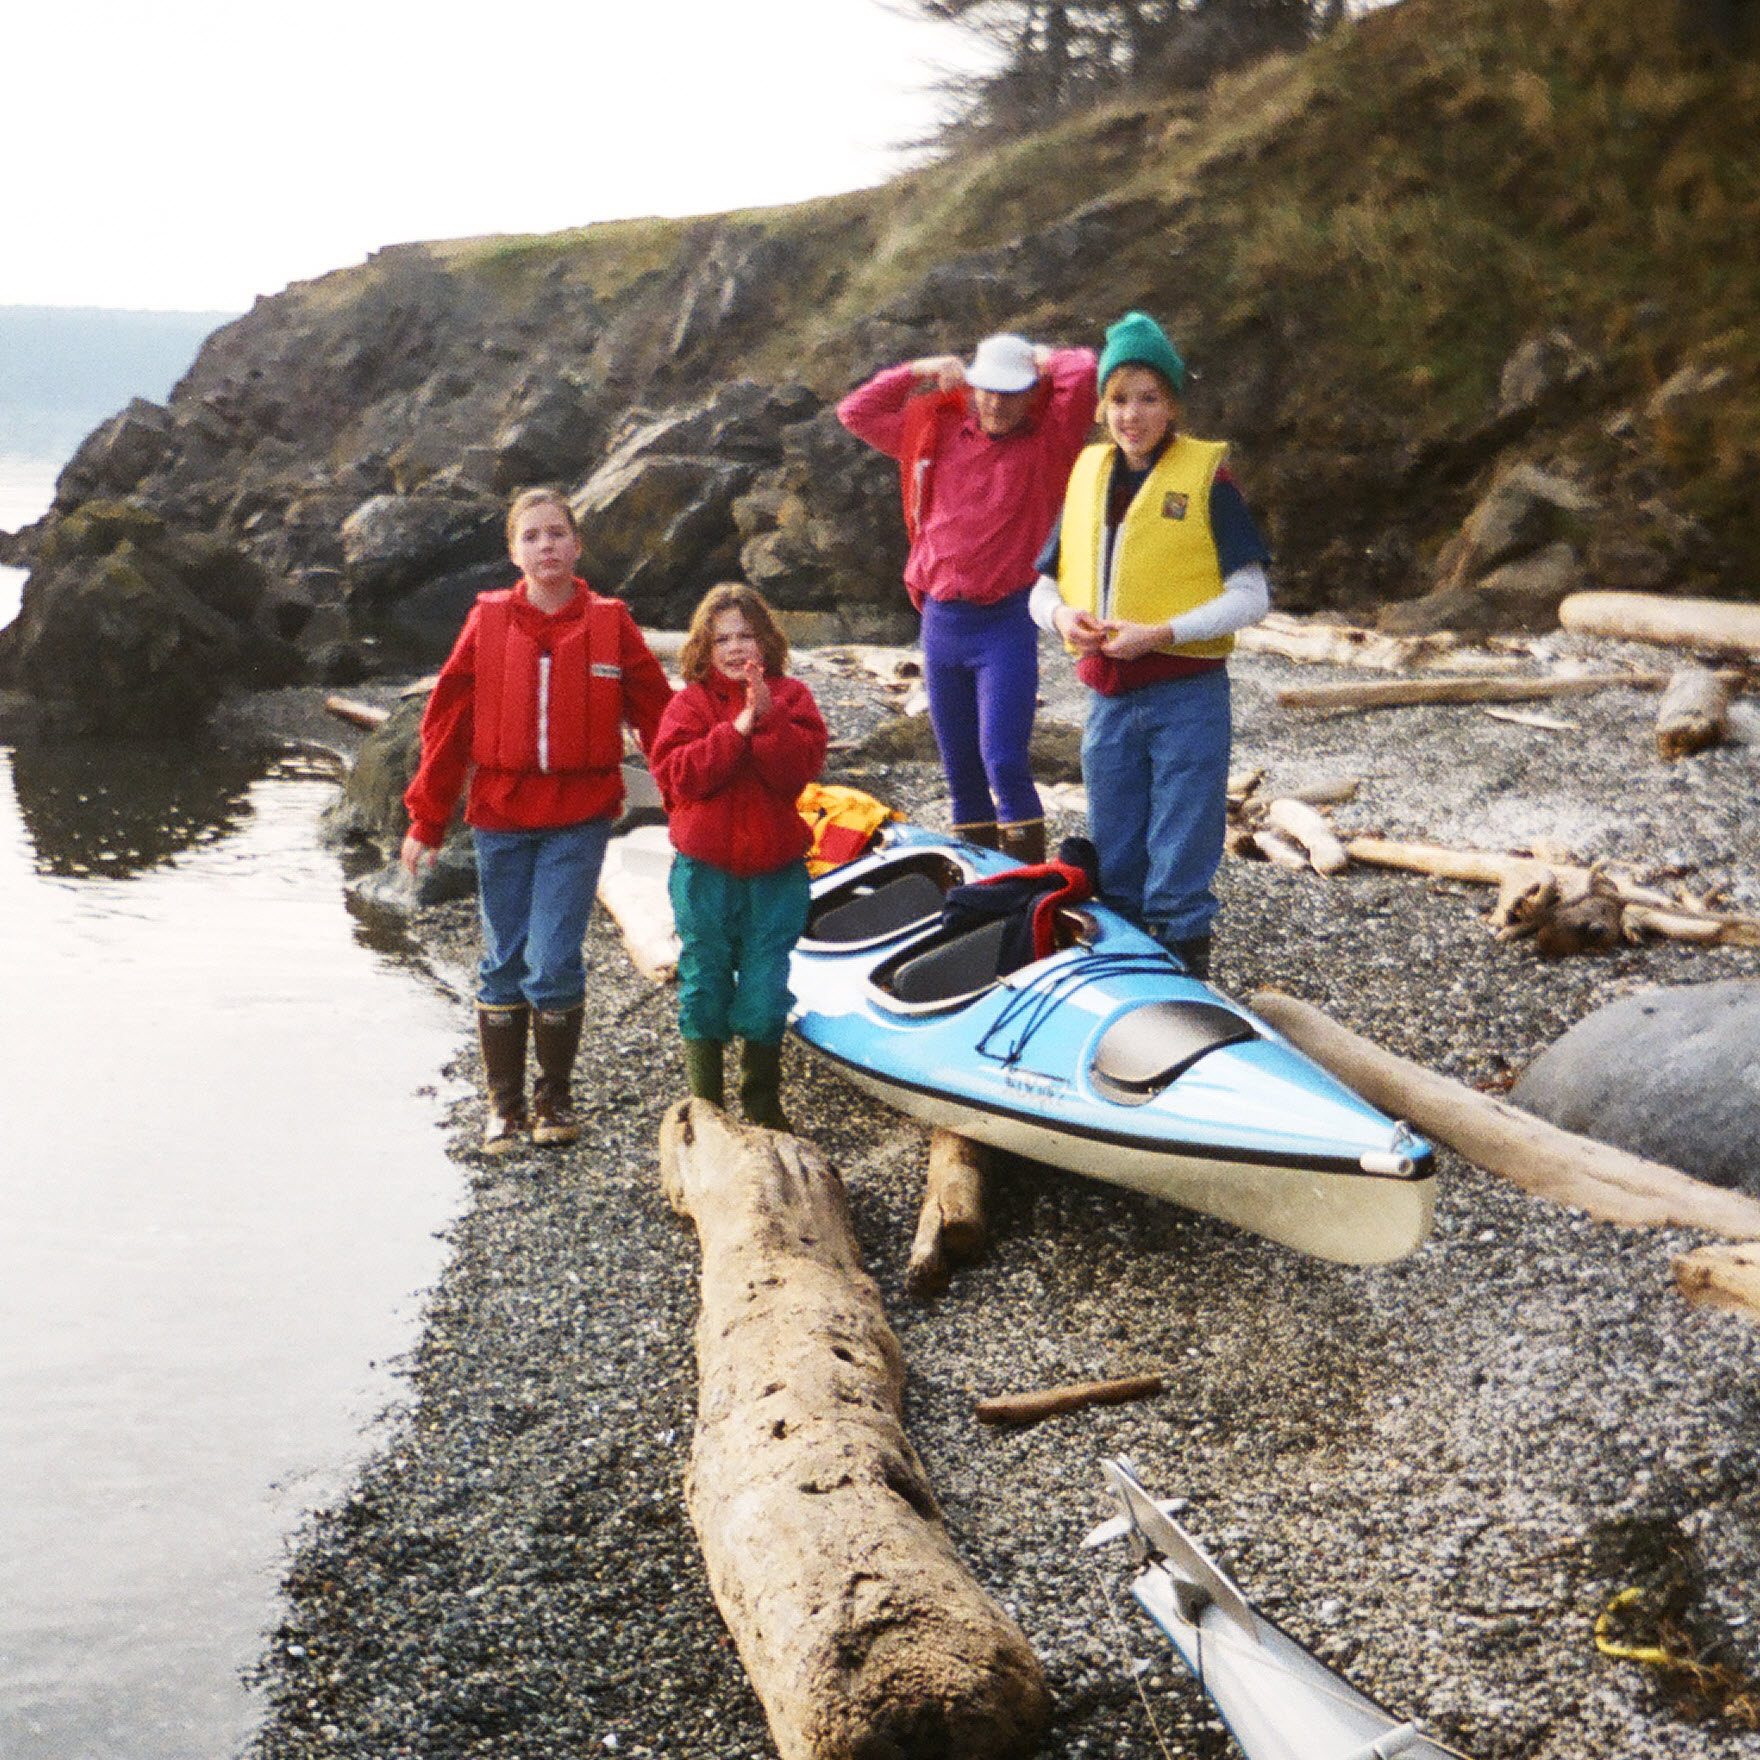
1350 245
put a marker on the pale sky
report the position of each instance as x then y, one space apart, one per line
192 154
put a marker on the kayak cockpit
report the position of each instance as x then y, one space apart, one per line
903 897
957 963
1149 1048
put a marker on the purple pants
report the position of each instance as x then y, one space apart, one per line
981 669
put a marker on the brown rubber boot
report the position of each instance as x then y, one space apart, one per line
705 1071
556 1036
983 835
502 1034
760 1086
1024 840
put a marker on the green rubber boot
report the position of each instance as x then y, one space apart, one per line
760 1086
703 1070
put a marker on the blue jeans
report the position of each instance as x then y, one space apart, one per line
981 670
1155 762
735 935
535 892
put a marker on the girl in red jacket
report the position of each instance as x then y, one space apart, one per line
735 748
534 695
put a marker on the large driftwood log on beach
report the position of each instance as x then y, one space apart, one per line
1710 626
863 1634
1395 692
1608 1183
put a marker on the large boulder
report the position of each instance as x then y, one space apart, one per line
127 626
657 516
392 543
1669 1074
1515 557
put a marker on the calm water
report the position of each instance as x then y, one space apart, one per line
222 1174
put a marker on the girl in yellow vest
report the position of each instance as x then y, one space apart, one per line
1154 566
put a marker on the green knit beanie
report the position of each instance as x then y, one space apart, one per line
1136 340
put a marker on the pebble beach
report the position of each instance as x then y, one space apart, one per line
1437 1474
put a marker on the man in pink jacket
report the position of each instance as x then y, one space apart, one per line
984 453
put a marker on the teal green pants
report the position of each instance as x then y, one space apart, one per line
736 937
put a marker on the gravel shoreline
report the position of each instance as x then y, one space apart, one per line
1437 1473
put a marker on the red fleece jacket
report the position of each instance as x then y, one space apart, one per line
731 800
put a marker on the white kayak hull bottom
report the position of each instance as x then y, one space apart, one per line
1349 1218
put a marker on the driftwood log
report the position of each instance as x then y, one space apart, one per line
1307 826
1608 1183
1722 1276
1709 626
1642 909
863 1634
367 715
1049 1402
950 1228
1693 713
1394 692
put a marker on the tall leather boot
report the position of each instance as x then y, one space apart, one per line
1024 840
983 833
556 1036
704 1070
760 1086
502 1034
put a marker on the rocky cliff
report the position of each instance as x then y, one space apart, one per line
1468 287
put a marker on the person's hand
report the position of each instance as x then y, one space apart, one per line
947 370
1080 628
758 698
1122 640
415 853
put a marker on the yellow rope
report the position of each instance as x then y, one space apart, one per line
1653 1654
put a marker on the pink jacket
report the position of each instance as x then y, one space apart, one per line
989 504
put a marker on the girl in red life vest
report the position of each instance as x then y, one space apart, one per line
532 703
735 748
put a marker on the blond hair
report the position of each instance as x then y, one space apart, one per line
696 657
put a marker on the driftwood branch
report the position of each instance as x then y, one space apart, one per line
950 1228
1721 1276
1710 626
862 1632
1340 644
1608 1183
1030 1408
1395 692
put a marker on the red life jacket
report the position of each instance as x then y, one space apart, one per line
552 710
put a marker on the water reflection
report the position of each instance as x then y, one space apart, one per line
221 1182
99 808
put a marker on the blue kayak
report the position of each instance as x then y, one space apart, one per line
1104 1057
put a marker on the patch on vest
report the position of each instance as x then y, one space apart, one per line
1174 504
603 669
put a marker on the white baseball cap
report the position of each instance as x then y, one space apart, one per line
1003 363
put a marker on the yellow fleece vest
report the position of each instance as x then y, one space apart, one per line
1164 559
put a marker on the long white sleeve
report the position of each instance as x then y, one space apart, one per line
1044 601
1244 599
